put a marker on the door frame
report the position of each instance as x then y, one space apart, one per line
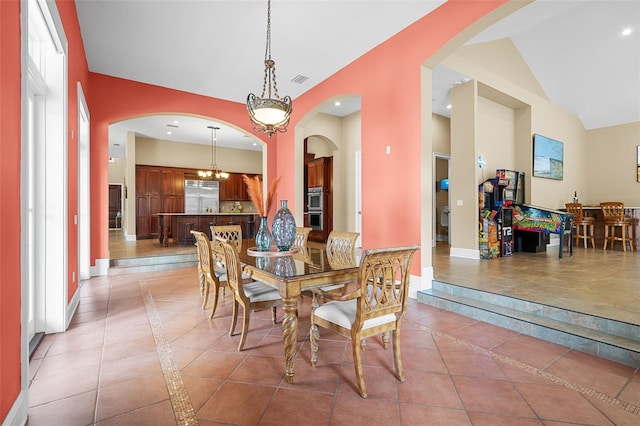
358 196
434 220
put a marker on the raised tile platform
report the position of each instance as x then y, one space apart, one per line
152 263
605 338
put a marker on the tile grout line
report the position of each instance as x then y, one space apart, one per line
181 402
626 406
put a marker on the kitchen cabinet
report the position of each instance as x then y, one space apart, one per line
316 172
161 190
320 175
233 188
158 190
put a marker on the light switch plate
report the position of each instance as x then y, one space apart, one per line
459 203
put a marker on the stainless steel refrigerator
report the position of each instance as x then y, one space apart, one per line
201 196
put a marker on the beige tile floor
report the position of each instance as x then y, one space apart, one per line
592 281
140 351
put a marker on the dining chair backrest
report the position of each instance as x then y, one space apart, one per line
341 247
230 233
232 264
612 210
205 263
302 235
384 283
576 210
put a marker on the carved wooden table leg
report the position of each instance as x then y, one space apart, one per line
290 335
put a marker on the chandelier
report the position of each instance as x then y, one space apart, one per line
213 173
269 114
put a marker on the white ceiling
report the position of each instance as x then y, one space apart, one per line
216 48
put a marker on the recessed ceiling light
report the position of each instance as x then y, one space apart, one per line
627 31
337 103
169 132
449 106
175 122
255 144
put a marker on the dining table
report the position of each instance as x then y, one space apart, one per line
293 272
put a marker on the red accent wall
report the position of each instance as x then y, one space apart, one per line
9 204
388 80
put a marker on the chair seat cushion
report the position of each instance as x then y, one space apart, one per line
260 292
343 313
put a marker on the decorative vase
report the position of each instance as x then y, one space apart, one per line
283 227
263 263
263 236
284 266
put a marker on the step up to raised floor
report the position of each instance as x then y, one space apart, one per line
152 263
606 338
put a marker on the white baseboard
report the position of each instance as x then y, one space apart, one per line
18 413
101 268
464 253
417 284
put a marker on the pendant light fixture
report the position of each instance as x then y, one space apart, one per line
213 173
269 113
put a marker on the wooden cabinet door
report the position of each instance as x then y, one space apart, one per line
168 185
143 225
178 184
155 182
142 178
315 176
244 195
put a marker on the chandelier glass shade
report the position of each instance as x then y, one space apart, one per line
213 173
269 113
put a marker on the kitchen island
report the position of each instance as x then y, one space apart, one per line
171 225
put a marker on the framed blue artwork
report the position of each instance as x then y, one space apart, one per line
547 157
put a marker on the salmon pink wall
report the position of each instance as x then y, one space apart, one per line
114 99
388 80
78 71
9 205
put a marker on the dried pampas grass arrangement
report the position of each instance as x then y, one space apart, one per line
254 189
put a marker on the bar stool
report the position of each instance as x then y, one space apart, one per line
613 212
583 225
187 238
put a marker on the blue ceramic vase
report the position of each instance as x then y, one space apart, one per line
263 236
283 227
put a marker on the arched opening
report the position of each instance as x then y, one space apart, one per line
172 148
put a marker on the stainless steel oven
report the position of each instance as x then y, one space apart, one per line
315 220
314 199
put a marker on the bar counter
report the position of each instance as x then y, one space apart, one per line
171 224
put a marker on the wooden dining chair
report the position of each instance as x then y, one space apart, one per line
206 264
302 236
583 226
375 307
232 234
613 214
341 248
252 295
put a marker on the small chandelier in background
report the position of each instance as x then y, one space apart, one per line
214 173
269 114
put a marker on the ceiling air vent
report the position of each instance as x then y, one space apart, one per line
175 126
299 79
